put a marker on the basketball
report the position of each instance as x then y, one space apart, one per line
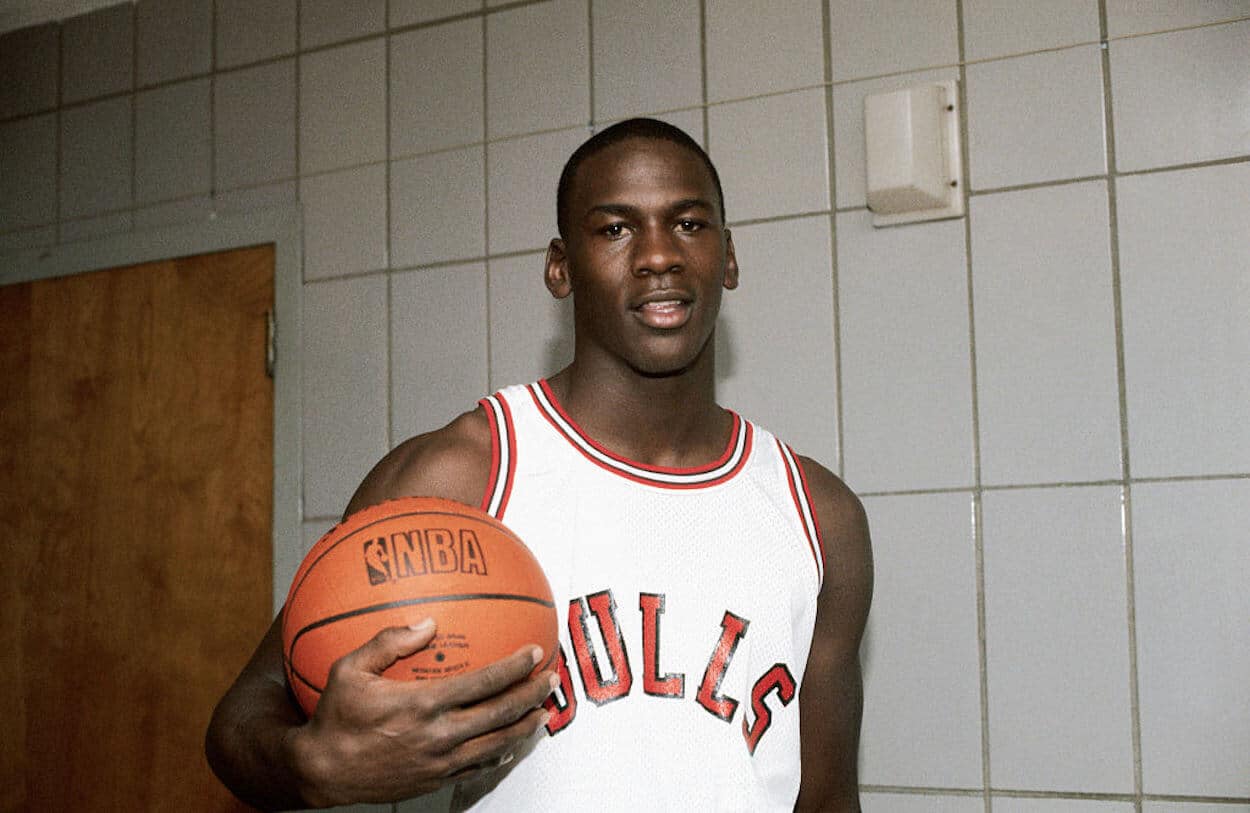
405 560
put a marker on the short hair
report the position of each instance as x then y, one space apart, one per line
623 131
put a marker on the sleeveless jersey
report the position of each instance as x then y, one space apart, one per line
687 600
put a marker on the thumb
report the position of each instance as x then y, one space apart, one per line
382 650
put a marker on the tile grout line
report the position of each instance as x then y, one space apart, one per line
839 432
703 107
486 195
58 141
386 242
977 517
1126 493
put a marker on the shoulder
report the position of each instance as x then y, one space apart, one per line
843 524
452 462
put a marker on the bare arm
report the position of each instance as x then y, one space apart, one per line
373 739
831 698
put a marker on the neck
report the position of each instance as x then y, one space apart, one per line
662 420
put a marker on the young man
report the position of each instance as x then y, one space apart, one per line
716 584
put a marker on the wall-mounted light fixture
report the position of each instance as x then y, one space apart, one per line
914 167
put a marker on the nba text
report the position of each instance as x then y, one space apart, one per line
420 551
604 683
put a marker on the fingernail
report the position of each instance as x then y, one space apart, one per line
553 681
425 625
546 718
536 654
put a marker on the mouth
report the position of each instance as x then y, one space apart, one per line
664 310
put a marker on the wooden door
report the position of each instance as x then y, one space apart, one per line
136 481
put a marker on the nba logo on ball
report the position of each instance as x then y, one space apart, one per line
400 562
417 552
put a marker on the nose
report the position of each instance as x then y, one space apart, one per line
657 251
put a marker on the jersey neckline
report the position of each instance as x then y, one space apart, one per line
731 461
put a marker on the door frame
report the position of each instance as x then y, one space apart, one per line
283 227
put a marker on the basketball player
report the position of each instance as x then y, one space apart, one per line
716 584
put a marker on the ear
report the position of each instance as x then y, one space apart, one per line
556 274
731 263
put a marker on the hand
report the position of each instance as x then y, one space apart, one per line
373 739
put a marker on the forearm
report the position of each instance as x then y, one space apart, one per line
249 746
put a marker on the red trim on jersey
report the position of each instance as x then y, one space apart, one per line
502 455
724 468
802 497
489 493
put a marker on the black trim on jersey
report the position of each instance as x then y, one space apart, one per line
652 675
623 676
714 694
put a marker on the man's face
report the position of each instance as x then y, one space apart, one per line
646 257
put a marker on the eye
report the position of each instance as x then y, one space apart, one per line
613 229
689 225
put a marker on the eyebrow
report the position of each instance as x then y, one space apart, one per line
626 210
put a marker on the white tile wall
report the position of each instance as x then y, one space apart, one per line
256 197
342 106
756 47
531 333
251 30
187 210
28 59
438 207
436 87
1009 804
173 40
1057 658
906 369
98 54
173 147
922 715
344 222
28 172
774 342
96 146
1191 550
254 125
630 39
326 21
438 346
891 36
1204 77
1036 118
919 803
408 12
1193 807
1183 261
1127 17
771 154
995 28
1048 397
533 87
521 188
90 228
848 128
345 389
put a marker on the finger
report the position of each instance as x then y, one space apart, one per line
497 747
491 679
382 650
504 709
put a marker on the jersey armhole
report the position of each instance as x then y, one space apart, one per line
502 455
802 496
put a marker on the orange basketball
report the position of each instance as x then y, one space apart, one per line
408 559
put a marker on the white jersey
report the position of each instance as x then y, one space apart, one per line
687 599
